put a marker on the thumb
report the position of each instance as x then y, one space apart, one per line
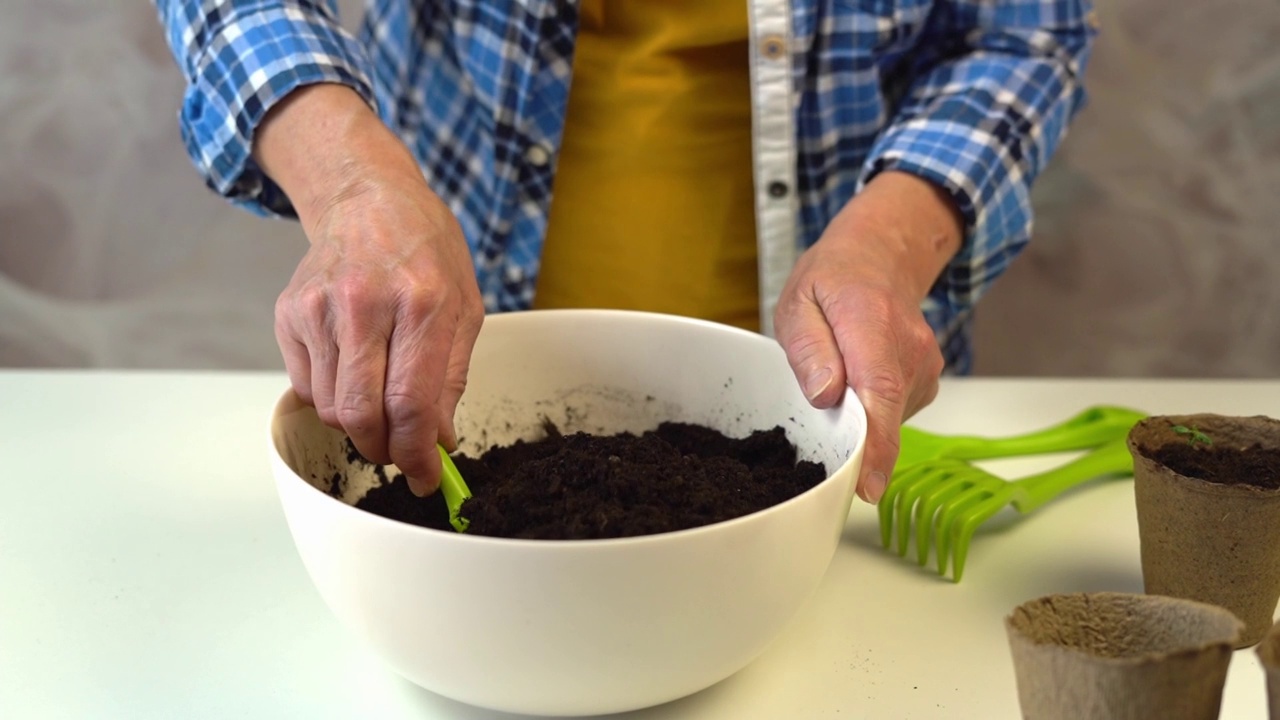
812 352
883 400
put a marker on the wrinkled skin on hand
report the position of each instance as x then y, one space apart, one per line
377 325
379 321
850 315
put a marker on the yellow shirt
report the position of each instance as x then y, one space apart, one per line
653 202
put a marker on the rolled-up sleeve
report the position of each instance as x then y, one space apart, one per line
988 99
239 58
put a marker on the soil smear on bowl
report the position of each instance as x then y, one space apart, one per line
581 486
1254 464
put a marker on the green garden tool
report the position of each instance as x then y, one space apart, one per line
455 490
949 499
931 467
1089 428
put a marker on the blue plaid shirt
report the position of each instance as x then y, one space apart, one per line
974 95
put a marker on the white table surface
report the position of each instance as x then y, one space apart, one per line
146 570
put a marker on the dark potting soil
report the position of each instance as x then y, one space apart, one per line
1253 465
580 486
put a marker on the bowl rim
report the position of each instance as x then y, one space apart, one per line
844 470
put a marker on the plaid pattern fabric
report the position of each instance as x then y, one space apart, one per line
974 95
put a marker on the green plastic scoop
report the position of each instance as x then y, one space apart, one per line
455 490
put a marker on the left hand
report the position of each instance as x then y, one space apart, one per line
850 312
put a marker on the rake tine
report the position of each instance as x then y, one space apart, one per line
900 482
921 487
885 508
967 526
946 521
926 513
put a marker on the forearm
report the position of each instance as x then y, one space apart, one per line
239 62
906 226
994 86
994 89
318 144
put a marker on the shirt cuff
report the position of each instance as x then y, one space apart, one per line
989 189
961 159
249 63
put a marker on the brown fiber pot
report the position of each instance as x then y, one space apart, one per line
1120 656
1212 542
1269 655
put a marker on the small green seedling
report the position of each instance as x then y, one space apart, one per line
455 491
1193 435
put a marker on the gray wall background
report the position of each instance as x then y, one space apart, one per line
1157 249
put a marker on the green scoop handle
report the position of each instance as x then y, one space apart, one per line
455 491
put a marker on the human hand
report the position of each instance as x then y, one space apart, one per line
850 315
378 322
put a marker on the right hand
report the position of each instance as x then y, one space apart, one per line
378 322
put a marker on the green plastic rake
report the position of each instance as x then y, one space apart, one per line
945 498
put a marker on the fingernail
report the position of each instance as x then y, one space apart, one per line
448 436
417 487
873 487
817 381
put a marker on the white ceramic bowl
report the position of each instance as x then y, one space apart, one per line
581 627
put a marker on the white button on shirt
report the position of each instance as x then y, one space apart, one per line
537 155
